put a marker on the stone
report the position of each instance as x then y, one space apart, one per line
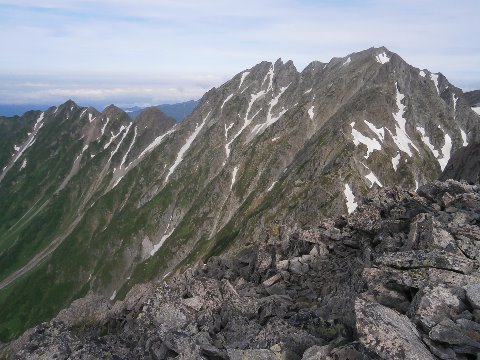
317 352
427 259
473 294
272 280
387 333
251 354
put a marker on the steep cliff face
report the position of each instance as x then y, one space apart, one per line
136 200
396 279
464 165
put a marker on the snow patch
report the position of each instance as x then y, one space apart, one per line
373 179
16 148
464 137
244 75
446 150
104 126
309 90
121 140
113 137
380 132
426 141
396 161
234 175
113 295
476 109
227 129
90 117
434 78
157 141
401 138
157 247
351 204
455 99
271 186
270 118
310 112
24 164
422 73
275 138
228 98
382 58
185 147
348 61
358 137
83 112
130 147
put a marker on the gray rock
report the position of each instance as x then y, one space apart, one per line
427 259
473 294
387 333
253 354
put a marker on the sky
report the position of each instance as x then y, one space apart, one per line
147 52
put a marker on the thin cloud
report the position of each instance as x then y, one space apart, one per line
114 39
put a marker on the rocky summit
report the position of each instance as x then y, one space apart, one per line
97 203
396 279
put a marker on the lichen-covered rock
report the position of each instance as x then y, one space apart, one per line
387 333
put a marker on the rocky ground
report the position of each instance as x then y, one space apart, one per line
397 279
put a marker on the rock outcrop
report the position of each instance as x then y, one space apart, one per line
397 279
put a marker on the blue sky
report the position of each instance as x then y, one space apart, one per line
149 52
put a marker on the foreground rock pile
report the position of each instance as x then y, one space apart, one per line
397 279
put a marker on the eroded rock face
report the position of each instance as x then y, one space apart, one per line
398 279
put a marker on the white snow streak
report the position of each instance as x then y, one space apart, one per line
464 137
416 185
113 295
114 136
348 61
380 132
104 126
271 119
185 147
227 129
434 78
90 117
83 112
309 90
248 120
455 99
244 75
396 161
446 150
351 204
358 137
275 138
373 179
228 98
476 109
160 243
129 148
234 175
426 141
382 58
310 112
121 140
24 164
155 143
401 138
271 186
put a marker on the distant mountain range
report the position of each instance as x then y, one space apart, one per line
177 111
94 202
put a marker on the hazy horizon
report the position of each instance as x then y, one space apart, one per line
153 52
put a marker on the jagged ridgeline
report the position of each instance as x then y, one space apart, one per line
96 202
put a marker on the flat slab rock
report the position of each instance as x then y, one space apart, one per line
387 333
439 259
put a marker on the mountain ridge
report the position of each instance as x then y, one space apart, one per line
271 143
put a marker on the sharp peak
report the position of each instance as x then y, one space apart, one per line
113 110
69 102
